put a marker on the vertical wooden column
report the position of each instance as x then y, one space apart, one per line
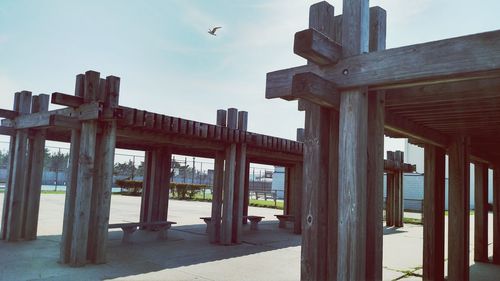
389 206
246 199
318 233
19 168
480 212
146 186
239 180
458 213
353 151
297 189
434 190
164 190
85 177
229 173
70 197
288 197
103 186
36 154
375 160
496 214
218 185
8 189
398 191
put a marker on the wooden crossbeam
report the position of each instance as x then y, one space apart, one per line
316 47
421 64
391 165
401 126
9 114
315 89
67 100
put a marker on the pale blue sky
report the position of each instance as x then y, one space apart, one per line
169 64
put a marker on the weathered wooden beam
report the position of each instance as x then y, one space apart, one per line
458 210
353 134
375 158
20 167
8 131
316 47
398 192
483 89
480 212
67 100
85 177
311 87
389 204
36 152
318 234
9 114
496 213
70 197
403 67
229 182
434 196
405 127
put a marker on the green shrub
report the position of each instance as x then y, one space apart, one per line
185 190
131 186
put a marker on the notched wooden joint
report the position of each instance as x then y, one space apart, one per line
316 47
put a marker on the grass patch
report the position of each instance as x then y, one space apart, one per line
412 221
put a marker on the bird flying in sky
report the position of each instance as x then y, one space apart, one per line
213 30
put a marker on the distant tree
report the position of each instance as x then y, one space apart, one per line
125 169
4 159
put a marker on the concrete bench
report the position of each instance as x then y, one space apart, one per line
283 219
207 220
129 228
254 221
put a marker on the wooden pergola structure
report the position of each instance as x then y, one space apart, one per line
95 124
443 96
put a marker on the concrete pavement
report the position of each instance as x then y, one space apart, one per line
267 254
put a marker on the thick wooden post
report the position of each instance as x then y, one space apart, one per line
434 179
85 177
352 151
18 182
297 189
229 173
389 206
318 231
70 198
218 185
375 169
8 189
106 155
146 186
480 212
398 192
164 192
246 192
496 214
36 155
458 216
239 180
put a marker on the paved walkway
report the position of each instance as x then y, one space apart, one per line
267 254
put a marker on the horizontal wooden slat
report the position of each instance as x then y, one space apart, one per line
9 114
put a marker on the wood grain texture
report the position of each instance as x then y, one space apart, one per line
496 214
434 196
85 177
442 64
227 207
18 183
37 153
481 212
375 160
70 196
352 176
458 210
316 47
398 192
312 88
315 236
214 231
